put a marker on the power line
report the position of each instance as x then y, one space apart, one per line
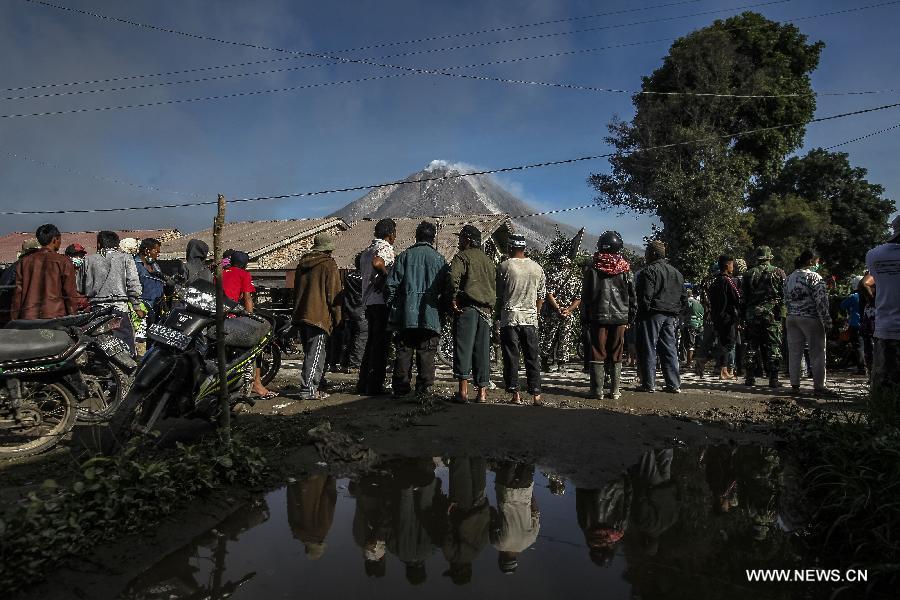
863 137
456 175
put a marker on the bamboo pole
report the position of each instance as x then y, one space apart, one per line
224 407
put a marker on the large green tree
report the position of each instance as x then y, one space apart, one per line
699 190
820 200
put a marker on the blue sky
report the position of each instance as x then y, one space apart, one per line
345 135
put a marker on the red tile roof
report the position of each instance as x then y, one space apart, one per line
11 244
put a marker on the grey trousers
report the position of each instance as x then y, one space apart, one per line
472 346
314 342
806 330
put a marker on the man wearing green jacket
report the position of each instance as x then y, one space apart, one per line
413 294
473 294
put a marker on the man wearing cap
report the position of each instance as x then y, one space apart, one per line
45 280
660 297
763 290
8 279
521 289
883 263
375 265
472 291
413 293
317 309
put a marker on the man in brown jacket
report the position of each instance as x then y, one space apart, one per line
45 281
317 309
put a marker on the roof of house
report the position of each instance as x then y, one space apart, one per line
11 244
256 238
356 239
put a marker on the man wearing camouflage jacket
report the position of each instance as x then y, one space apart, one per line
763 290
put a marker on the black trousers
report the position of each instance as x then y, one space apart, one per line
422 343
524 340
372 371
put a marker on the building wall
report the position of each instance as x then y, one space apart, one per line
278 259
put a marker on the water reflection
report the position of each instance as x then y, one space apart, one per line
677 521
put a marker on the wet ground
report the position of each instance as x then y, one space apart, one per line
677 523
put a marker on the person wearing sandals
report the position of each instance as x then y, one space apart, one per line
473 293
237 283
521 289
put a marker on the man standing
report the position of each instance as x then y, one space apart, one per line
317 309
691 326
374 266
563 300
472 293
8 279
110 278
883 263
609 301
516 522
521 288
45 280
763 310
413 293
660 297
725 309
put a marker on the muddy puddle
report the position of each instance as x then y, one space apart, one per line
682 523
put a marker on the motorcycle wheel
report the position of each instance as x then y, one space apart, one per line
51 408
107 386
270 363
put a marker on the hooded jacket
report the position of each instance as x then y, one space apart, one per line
317 292
195 265
660 289
608 296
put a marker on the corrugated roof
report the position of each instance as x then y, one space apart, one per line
11 244
356 239
256 238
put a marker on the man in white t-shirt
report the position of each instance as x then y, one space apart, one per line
883 282
374 267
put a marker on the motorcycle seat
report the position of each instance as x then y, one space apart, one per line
60 323
243 332
16 344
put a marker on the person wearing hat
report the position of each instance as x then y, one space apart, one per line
8 279
609 301
45 284
521 289
763 288
317 309
472 292
374 267
413 295
603 518
882 262
660 299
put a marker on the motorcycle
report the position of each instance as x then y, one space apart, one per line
56 371
178 376
283 342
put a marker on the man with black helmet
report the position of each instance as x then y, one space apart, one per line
609 301
763 290
472 290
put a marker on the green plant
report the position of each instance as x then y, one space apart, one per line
115 495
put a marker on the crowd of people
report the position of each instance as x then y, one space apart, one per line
745 320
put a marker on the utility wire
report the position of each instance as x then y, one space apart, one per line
454 175
863 137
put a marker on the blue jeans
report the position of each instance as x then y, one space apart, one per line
656 332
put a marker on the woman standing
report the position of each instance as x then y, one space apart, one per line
808 320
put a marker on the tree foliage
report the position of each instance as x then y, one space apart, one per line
699 189
821 201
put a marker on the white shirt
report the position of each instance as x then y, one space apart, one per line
385 251
883 263
520 284
805 295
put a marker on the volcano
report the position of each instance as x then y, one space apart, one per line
473 195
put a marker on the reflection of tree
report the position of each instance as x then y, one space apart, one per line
705 551
176 576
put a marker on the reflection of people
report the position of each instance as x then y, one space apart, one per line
469 517
412 515
516 520
371 522
654 508
603 517
310 511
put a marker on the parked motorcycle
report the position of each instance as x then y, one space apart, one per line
54 371
283 342
178 375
